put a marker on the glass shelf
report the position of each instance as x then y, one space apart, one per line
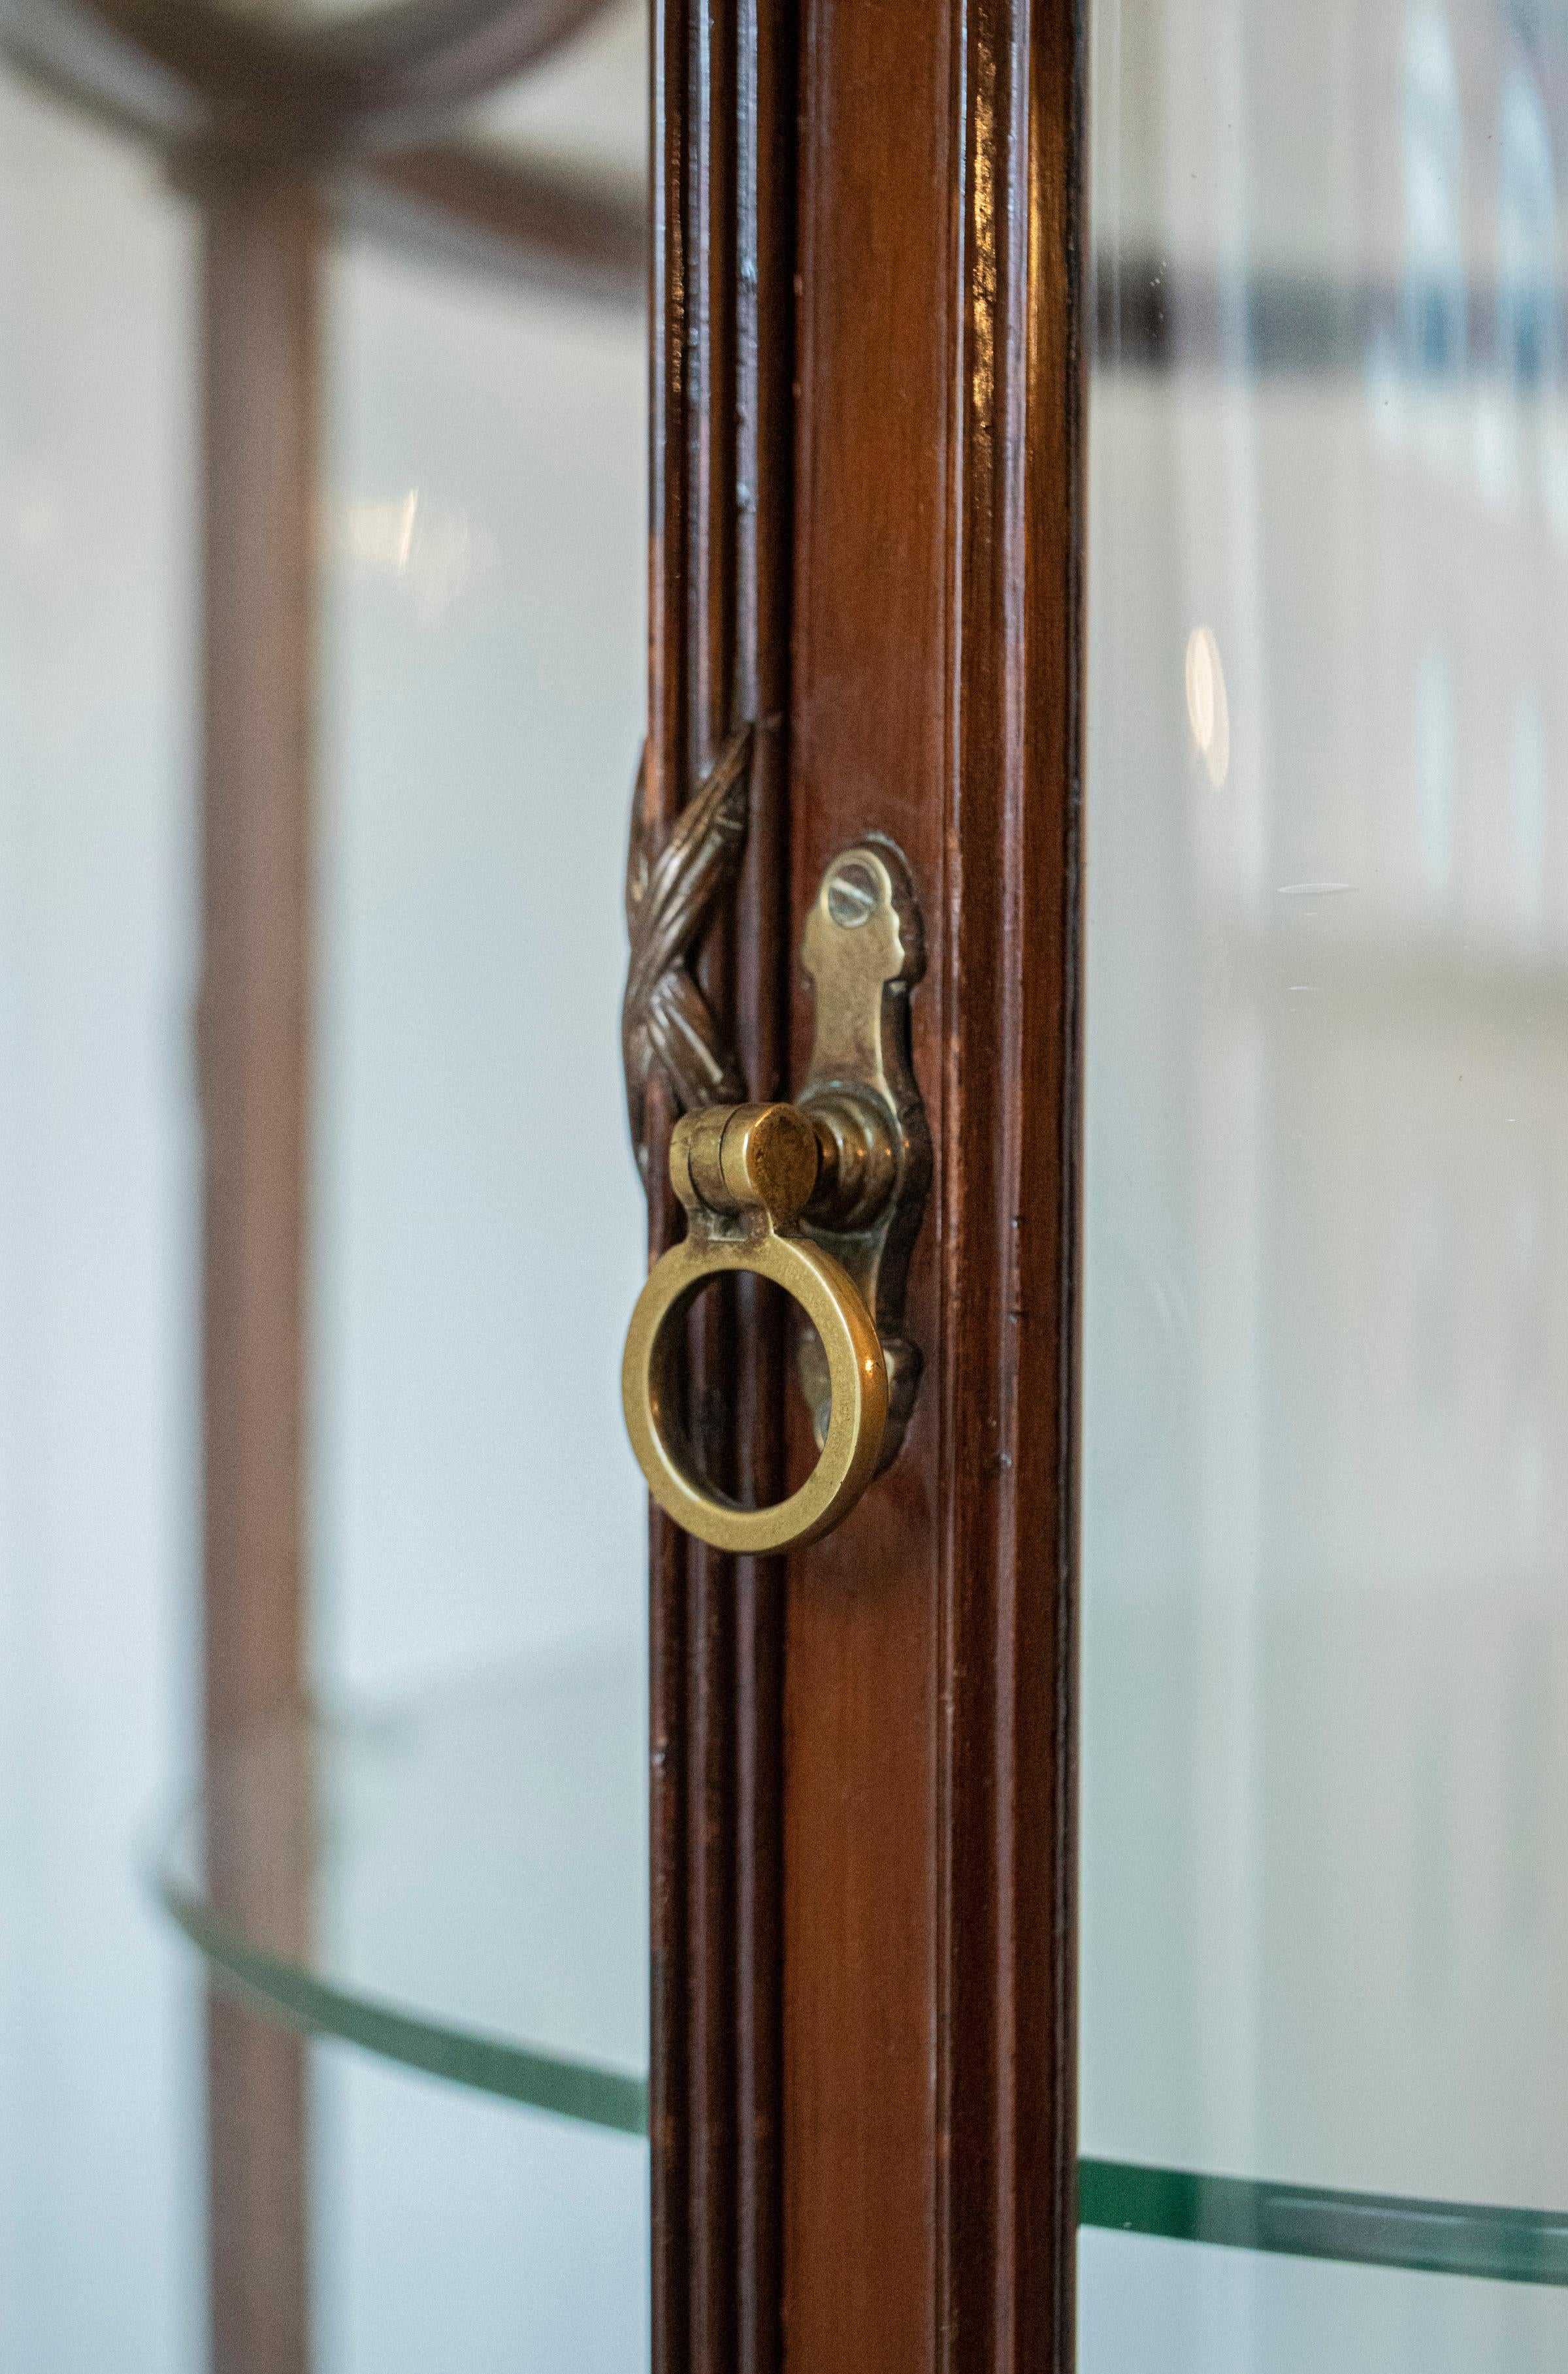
461 1886
1309 2221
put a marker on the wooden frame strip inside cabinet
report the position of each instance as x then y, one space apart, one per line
260 375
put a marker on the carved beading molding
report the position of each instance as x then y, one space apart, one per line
670 898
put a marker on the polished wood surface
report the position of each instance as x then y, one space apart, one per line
259 337
722 312
930 1808
929 609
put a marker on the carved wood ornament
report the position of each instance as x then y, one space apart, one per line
670 898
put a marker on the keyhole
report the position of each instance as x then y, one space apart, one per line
853 895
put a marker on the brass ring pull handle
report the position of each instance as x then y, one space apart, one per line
745 1173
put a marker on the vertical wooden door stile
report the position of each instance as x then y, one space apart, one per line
720 415
1008 1791
930 1805
765 214
713 1832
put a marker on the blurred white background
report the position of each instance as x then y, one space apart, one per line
1324 1713
482 525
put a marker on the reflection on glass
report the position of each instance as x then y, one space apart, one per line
475 1872
101 2242
1155 2307
304 12
1325 1718
1209 709
481 721
481 541
474 1866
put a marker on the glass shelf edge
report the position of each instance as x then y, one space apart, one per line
584 2091
1519 2246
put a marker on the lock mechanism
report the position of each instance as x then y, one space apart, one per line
864 949
824 1197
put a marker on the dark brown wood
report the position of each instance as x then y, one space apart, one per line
259 335
712 1833
765 105
930 1802
934 598
722 309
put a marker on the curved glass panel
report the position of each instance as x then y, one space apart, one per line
1326 1630
480 538
584 107
466 1891
305 11
460 1884
1156 2306
101 2040
476 1498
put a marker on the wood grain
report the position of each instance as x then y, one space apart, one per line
721 307
765 105
930 1805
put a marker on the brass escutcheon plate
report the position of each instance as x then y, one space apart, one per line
743 1172
823 1198
864 947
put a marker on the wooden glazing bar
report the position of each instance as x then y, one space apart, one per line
765 194
713 1828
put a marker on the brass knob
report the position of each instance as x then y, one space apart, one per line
745 1173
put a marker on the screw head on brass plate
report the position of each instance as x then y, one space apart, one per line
864 946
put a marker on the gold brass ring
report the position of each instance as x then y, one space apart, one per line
855 1371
